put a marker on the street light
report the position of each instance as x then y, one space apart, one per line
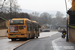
67 38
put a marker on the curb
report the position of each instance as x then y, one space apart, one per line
21 44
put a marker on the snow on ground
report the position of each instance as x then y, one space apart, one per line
46 34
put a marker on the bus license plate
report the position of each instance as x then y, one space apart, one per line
12 36
64 33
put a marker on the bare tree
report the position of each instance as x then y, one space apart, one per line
9 6
45 18
59 18
35 13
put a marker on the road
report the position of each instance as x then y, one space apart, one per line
46 41
7 44
50 42
40 43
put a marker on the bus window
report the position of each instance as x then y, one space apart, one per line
28 27
21 27
16 22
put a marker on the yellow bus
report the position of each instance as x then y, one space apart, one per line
22 28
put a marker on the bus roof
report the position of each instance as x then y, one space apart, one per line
20 19
34 21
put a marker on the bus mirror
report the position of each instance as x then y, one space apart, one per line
7 31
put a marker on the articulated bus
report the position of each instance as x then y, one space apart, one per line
22 28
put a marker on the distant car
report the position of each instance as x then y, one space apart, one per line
46 30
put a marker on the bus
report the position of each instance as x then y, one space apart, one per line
22 28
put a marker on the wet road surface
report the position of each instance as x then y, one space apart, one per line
54 42
7 44
40 43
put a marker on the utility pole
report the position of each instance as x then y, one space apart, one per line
67 38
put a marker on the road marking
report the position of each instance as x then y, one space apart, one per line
55 46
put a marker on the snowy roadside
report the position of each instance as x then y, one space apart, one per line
47 34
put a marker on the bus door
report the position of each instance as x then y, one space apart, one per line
32 30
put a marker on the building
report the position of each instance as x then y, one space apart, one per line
3 27
3 23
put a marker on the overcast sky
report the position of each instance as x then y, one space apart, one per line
43 5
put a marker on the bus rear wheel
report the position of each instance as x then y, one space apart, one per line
36 37
13 39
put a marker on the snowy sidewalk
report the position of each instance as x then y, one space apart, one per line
61 44
47 34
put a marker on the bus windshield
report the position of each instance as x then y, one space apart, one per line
16 21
